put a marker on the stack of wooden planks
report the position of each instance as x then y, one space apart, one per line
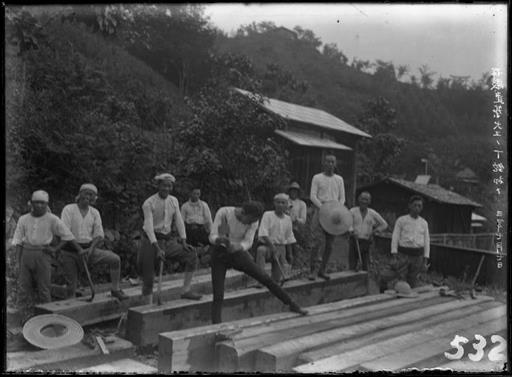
379 332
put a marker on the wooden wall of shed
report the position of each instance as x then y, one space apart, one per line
391 202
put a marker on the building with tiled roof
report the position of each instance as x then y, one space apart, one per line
446 211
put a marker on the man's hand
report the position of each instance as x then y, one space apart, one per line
426 264
85 253
224 241
50 250
394 259
159 252
185 245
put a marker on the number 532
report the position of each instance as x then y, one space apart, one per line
495 354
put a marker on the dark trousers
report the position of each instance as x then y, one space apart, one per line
197 234
241 261
409 266
320 236
147 260
35 267
353 257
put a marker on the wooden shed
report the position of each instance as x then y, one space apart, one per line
310 133
445 210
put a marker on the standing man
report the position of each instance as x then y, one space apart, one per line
85 223
325 187
198 219
160 211
366 223
298 214
410 243
276 237
32 237
232 236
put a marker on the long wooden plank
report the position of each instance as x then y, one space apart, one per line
105 307
457 309
349 360
193 349
121 366
437 360
68 358
238 354
283 356
146 322
412 355
60 291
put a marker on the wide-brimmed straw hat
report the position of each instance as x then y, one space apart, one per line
403 289
335 218
50 331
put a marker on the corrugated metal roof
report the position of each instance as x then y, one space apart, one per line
436 192
311 141
305 114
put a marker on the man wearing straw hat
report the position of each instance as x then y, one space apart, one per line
325 187
85 223
161 210
32 237
276 237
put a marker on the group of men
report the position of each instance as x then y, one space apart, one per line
230 237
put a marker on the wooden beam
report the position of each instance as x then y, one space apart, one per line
457 309
146 322
238 354
60 291
283 356
105 307
68 358
121 366
351 358
193 349
412 355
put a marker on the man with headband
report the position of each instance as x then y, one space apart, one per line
161 210
276 237
32 237
85 223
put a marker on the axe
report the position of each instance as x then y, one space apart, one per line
89 280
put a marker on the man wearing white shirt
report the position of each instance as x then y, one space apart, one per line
232 236
160 211
85 223
325 187
410 243
276 237
366 223
32 238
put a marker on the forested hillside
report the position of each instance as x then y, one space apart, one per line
114 94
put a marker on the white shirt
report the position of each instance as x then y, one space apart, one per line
364 228
240 235
278 229
197 213
159 214
85 229
39 231
411 232
298 211
326 188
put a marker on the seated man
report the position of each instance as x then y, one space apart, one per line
160 211
85 223
232 235
276 236
198 219
32 237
